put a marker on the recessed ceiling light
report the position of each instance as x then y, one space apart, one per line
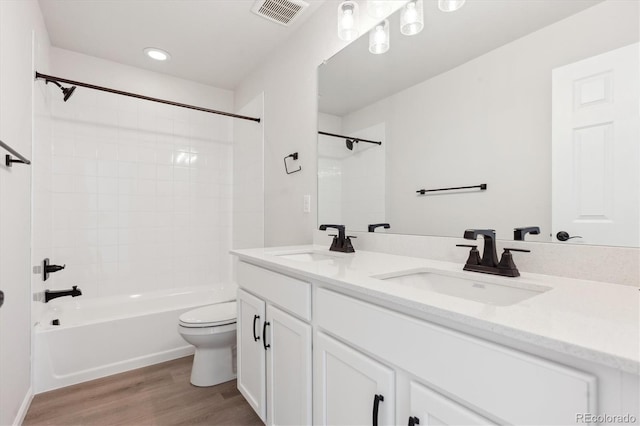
157 54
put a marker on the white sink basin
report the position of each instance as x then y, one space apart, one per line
490 290
307 256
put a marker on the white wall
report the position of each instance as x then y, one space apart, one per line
141 192
23 42
289 82
486 121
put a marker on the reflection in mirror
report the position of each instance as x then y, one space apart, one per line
537 99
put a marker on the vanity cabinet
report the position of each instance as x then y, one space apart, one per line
374 364
350 388
274 345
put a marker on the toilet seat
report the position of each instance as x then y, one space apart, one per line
217 315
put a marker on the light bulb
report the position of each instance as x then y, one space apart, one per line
348 20
379 38
157 54
412 18
450 5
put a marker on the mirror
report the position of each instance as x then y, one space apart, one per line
536 99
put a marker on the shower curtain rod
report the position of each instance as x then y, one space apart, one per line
349 137
146 98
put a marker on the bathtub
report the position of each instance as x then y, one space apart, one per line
103 336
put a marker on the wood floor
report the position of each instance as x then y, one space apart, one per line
157 395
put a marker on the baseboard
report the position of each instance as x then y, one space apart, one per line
24 407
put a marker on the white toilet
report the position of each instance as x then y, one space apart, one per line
212 330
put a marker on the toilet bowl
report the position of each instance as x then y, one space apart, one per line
212 330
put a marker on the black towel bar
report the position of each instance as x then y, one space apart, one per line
482 186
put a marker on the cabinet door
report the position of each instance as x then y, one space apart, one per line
288 369
348 386
429 408
250 355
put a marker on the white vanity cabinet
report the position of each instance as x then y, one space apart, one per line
368 354
274 345
350 388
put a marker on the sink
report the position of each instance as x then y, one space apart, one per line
307 256
492 291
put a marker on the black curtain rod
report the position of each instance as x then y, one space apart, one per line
146 98
349 137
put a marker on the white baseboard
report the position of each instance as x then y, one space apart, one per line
24 407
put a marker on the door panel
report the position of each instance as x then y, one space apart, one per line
433 409
288 369
251 356
595 133
346 383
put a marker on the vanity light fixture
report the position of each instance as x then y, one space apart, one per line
450 5
412 18
348 20
157 54
379 38
378 8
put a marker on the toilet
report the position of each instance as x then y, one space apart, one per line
212 330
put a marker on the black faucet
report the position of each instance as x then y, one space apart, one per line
489 264
341 242
373 226
489 255
50 294
519 233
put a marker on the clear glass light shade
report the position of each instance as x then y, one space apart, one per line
379 38
450 5
412 18
348 25
378 8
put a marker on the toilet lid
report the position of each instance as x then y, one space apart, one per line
209 316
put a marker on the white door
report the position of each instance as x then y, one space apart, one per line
251 353
596 181
349 386
428 408
288 369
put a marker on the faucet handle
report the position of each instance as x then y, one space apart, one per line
507 266
474 254
351 236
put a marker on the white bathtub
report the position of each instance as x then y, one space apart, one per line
100 337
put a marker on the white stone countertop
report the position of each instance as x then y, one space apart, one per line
591 320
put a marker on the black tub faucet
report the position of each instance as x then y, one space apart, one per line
341 242
51 294
519 233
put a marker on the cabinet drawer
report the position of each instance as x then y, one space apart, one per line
514 387
289 293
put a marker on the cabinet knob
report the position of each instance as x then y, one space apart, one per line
255 319
376 404
264 335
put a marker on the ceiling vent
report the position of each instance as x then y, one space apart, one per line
284 12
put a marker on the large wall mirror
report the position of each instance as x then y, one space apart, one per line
536 99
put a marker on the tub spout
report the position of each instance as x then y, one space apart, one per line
50 295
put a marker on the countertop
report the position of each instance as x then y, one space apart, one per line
595 321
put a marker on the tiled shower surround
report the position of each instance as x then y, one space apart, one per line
141 194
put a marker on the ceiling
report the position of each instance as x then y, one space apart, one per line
216 42
354 78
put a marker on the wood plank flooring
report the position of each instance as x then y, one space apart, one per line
157 395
